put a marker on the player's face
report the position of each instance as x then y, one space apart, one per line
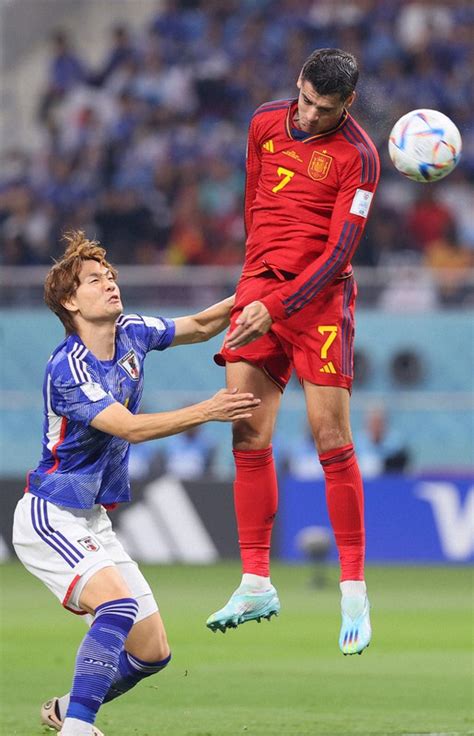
318 113
97 298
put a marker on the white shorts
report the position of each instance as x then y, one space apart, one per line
65 547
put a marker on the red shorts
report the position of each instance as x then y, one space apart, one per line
318 341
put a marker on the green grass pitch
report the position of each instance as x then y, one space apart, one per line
285 677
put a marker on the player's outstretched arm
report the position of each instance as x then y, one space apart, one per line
203 325
226 405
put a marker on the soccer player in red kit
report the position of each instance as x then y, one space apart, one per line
311 176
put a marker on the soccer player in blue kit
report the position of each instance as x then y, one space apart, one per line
62 532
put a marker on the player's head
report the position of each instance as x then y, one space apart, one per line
82 284
327 84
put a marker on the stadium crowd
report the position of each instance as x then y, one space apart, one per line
146 151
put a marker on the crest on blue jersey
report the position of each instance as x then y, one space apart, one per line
89 544
130 365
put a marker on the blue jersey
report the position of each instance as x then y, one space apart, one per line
80 465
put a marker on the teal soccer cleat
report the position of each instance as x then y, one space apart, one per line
355 629
245 604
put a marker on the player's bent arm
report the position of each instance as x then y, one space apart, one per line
225 406
203 325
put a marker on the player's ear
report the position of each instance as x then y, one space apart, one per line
70 304
299 82
350 99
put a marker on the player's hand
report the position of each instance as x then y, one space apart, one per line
252 323
227 405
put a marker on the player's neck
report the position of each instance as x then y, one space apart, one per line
99 339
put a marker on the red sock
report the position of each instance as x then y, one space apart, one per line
256 502
345 503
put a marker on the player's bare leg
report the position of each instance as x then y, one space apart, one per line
328 410
255 498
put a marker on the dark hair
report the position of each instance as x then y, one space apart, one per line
331 71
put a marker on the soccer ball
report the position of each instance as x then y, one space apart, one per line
425 145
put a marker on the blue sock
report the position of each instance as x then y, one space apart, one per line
98 657
130 671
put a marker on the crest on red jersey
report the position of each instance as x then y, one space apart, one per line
319 165
130 364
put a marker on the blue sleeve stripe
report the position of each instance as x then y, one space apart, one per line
323 275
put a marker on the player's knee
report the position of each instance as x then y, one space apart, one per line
154 652
329 437
245 436
161 650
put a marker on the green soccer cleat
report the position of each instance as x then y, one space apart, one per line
245 604
355 629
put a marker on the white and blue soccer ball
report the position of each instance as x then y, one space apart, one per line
425 145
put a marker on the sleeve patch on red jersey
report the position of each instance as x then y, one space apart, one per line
361 202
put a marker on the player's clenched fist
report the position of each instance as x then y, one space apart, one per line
227 405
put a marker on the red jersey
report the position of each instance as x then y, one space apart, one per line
306 202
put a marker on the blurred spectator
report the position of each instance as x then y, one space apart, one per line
189 455
66 71
428 219
380 448
407 289
121 51
448 260
301 461
382 238
458 195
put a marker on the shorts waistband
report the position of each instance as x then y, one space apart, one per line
277 273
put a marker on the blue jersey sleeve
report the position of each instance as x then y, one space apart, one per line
153 333
75 391
160 332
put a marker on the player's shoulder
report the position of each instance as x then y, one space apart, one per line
356 132
70 357
272 109
356 136
360 146
130 322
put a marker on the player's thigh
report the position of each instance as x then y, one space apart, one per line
105 585
328 409
255 432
